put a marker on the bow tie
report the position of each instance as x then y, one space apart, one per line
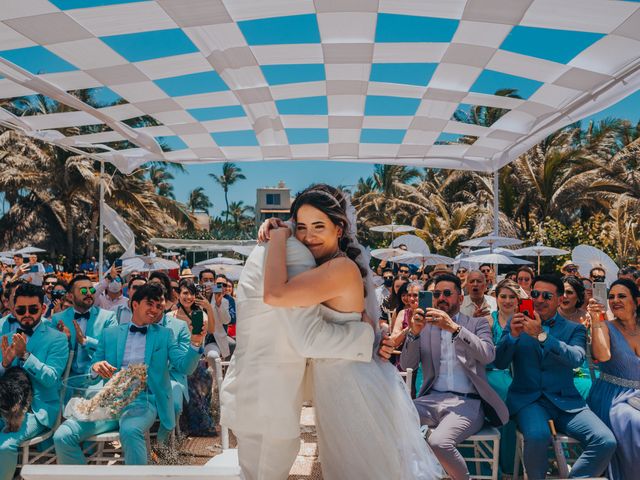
11 319
28 331
78 316
136 329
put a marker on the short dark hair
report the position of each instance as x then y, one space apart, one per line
577 285
551 278
206 270
597 268
13 285
164 279
387 270
628 270
449 277
148 291
29 290
222 275
633 289
486 265
78 278
61 283
188 284
133 278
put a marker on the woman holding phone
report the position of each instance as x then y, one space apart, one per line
192 308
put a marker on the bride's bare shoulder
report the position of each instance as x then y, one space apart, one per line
345 265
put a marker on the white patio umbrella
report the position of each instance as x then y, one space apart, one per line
243 250
30 249
414 258
232 272
491 241
412 242
588 257
7 260
387 253
540 250
494 259
220 260
170 253
393 228
144 263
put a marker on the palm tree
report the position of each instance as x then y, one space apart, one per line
198 200
238 212
230 175
161 180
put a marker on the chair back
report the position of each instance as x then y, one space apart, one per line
63 389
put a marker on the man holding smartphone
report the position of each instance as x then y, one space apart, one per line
544 348
454 350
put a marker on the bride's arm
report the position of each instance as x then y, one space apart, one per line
328 281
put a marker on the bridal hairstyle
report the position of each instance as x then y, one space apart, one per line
332 203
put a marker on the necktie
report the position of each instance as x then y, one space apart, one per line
135 329
11 319
78 316
28 331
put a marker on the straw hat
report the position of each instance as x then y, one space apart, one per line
187 273
440 268
568 263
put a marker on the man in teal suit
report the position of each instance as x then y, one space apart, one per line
83 324
42 352
545 348
141 341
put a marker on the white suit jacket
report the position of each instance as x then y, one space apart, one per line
262 392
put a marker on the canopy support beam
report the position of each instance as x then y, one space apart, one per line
101 241
496 202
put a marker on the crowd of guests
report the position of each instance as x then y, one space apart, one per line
176 327
515 352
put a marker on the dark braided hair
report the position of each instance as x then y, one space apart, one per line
330 201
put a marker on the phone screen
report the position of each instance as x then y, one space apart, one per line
600 292
33 269
197 320
118 262
526 307
425 300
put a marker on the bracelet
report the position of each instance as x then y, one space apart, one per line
596 325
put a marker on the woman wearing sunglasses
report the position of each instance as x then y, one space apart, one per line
615 396
524 277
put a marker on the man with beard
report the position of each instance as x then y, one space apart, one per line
83 324
42 352
455 396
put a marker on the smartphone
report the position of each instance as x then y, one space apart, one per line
33 269
197 321
600 292
526 307
200 289
218 288
58 294
425 300
118 263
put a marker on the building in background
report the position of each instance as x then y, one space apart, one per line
273 202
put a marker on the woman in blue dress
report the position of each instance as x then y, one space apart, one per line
615 396
508 295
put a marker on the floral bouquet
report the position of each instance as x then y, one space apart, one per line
92 403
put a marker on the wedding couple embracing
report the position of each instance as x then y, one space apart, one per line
307 322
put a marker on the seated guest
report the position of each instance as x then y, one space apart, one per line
544 351
123 312
598 274
615 396
171 295
9 323
83 324
524 277
109 292
223 281
42 352
48 283
455 396
392 304
60 298
476 303
489 275
142 342
409 294
384 290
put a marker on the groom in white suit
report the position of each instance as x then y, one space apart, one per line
262 393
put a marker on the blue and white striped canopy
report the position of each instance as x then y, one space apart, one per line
388 81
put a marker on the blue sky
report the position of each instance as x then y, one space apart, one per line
298 175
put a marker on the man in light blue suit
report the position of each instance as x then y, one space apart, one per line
42 352
545 348
83 324
9 323
141 341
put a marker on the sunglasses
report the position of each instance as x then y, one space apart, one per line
387 278
50 283
462 270
33 309
598 278
403 271
437 293
85 290
571 269
485 270
545 295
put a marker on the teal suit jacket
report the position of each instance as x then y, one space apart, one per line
45 366
183 336
544 370
161 352
99 320
5 326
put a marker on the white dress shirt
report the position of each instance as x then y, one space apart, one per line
134 349
451 376
124 314
468 308
104 301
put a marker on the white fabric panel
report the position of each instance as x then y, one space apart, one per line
124 18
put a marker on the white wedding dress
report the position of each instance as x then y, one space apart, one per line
368 427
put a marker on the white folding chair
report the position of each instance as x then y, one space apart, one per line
48 454
572 449
224 431
408 379
486 450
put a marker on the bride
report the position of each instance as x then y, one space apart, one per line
367 424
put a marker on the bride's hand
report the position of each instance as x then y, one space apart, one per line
264 233
284 232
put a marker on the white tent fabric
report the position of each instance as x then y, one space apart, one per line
385 81
119 229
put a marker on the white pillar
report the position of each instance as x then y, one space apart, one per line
101 241
496 202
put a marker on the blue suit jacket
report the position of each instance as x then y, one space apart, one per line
5 326
99 320
544 370
182 335
161 352
45 366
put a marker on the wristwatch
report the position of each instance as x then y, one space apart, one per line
542 336
25 356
